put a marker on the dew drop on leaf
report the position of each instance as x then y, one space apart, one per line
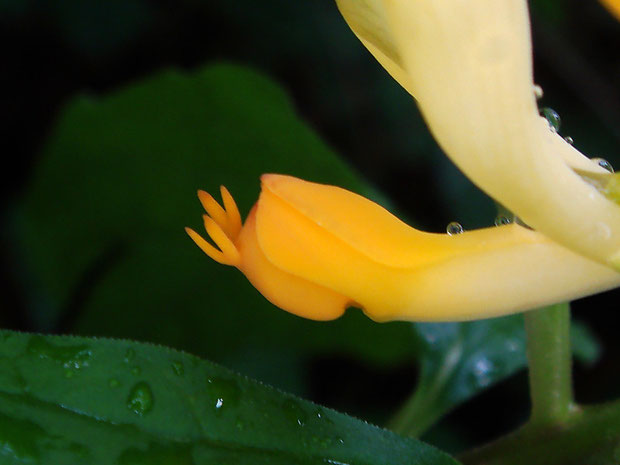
140 399
482 371
177 368
129 355
223 394
502 220
294 412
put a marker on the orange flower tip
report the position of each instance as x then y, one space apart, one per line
225 258
269 178
222 240
215 211
234 223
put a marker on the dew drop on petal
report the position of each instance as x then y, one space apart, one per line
553 118
454 228
603 164
538 92
502 220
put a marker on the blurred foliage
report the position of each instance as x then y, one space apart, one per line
117 184
93 27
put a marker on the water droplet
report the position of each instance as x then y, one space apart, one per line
294 412
454 228
136 371
482 370
603 164
569 140
512 345
177 368
114 383
603 230
553 118
224 393
140 399
335 462
538 92
70 357
129 355
502 220
320 415
21 440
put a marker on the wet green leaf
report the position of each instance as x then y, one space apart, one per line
460 360
101 226
129 403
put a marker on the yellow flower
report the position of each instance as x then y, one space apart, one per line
315 249
468 64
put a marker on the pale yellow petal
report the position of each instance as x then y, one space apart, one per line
470 63
367 20
613 6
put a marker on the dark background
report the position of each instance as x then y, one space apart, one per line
53 50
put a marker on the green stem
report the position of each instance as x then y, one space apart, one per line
415 417
590 436
550 363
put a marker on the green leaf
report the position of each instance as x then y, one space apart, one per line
97 401
460 360
101 225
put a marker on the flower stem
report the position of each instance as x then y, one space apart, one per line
589 436
550 363
417 415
